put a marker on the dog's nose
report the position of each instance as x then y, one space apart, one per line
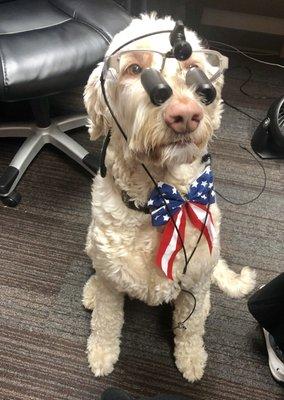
183 116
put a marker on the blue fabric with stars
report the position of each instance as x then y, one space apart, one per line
200 191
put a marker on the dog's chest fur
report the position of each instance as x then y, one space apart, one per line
123 243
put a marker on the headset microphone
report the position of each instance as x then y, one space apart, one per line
181 49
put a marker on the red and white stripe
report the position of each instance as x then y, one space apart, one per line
171 243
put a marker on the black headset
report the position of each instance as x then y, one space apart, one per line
154 83
157 87
159 91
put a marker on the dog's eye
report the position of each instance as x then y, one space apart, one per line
134 69
192 66
190 63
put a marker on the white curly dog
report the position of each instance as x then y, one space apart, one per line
121 242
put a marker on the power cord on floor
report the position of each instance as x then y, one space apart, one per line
249 116
246 55
241 111
250 74
246 81
261 191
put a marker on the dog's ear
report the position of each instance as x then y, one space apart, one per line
216 120
95 105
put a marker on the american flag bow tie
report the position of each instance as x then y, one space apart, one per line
195 205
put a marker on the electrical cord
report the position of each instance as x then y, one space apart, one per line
246 55
248 94
181 325
241 111
261 191
246 81
144 167
254 53
200 235
250 73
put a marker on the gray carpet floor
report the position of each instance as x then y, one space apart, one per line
43 325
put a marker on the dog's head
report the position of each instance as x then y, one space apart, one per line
176 131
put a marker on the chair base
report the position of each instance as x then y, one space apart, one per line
37 137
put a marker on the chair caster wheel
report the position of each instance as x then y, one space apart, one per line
12 200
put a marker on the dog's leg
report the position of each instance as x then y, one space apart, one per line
190 354
89 293
233 284
106 323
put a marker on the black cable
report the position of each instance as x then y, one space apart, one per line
144 167
103 169
102 80
246 55
168 210
246 81
138 38
262 189
241 111
200 235
181 325
159 190
251 95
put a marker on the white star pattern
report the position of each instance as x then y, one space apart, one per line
200 191
167 201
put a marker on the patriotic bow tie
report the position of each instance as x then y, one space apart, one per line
194 206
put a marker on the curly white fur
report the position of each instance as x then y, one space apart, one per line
122 242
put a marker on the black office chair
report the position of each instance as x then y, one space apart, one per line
47 46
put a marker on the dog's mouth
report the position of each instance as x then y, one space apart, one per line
180 140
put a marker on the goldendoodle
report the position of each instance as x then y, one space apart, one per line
156 242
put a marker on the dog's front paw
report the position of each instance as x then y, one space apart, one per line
102 356
89 292
163 292
191 359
